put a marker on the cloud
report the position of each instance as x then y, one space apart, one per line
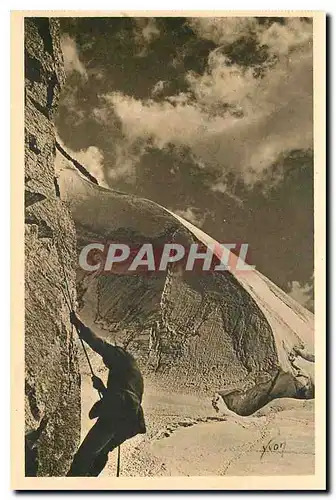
223 30
126 157
97 73
158 87
222 187
303 293
231 121
282 39
279 38
72 62
193 215
149 30
101 115
70 102
161 122
145 32
91 158
235 122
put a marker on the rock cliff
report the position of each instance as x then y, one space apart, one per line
52 382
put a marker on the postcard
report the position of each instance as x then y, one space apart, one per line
168 250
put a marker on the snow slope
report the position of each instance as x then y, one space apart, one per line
236 334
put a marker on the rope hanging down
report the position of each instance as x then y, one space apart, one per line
81 341
69 304
68 301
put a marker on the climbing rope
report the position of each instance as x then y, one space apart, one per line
68 301
71 308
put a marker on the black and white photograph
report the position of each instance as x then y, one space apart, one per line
173 331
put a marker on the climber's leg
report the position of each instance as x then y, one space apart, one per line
101 460
99 463
121 435
94 443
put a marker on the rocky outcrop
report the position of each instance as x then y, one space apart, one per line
52 382
192 333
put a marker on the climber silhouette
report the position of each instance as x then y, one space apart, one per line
119 411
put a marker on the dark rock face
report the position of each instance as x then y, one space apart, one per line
52 385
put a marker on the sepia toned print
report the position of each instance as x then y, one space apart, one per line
170 321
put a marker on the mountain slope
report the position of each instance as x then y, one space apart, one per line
193 333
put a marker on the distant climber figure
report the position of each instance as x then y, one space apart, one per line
119 412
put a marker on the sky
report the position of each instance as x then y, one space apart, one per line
210 117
